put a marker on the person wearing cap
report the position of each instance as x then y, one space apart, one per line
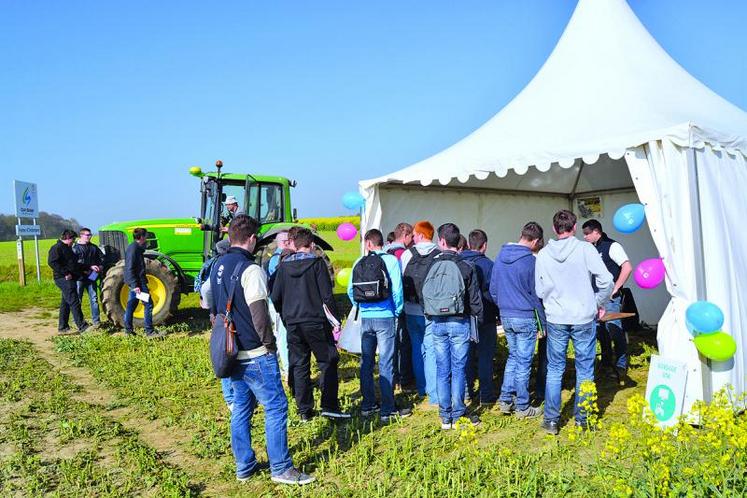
232 209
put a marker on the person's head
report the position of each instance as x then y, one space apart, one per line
84 236
302 239
532 236
140 235
282 239
462 245
67 236
403 234
592 231
390 237
374 240
232 205
564 223
448 236
422 232
242 232
478 240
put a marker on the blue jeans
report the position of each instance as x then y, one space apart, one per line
610 333
226 386
480 363
423 356
132 302
93 298
451 340
258 381
521 334
381 331
584 347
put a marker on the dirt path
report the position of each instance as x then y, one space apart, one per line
167 440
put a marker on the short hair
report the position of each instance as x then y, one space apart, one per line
593 225
68 234
139 233
532 231
424 228
477 239
564 221
241 228
462 245
390 237
375 237
301 237
403 229
84 229
449 232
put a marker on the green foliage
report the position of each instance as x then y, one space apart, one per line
51 224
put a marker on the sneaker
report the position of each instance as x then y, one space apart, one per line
307 417
129 333
293 476
506 408
84 327
248 476
550 427
446 424
529 412
68 331
155 335
472 419
368 413
401 413
335 414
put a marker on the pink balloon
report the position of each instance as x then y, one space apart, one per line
347 231
649 273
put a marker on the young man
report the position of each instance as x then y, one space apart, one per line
481 354
451 334
301 290
512 286
564 273
134 276
378 325
256 378
415 263
90 261
609 333
66 271
403 375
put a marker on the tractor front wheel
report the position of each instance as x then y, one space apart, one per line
163 287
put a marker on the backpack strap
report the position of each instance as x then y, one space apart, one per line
235 276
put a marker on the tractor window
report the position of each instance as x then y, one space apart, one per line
235 191
266 202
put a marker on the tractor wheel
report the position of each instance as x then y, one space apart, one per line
163 287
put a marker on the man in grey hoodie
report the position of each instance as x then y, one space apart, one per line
563 280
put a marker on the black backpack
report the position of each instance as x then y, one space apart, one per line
415 272
370 279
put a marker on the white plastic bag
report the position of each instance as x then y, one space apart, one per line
350 340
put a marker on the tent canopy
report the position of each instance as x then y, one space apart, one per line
607 86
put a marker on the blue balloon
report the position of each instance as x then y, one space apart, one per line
629 218
704 317
353 200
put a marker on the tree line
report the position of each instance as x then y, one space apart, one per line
51 225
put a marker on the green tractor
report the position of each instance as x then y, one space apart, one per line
178 247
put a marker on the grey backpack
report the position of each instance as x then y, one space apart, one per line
443 289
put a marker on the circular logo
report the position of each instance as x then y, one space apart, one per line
662 402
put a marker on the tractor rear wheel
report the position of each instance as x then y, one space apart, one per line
163 287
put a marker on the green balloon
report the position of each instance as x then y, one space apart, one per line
343 277
718 347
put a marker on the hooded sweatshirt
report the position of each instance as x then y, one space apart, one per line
301 287
563 279
512 283
423 248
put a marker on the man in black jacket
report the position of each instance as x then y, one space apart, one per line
301 291
135 279
90 262
65 271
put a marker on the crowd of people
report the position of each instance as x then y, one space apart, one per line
430 311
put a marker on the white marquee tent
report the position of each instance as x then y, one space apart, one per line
609 114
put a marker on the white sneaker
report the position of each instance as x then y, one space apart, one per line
336 415
293 476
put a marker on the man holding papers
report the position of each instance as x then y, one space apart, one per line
136 280
300 293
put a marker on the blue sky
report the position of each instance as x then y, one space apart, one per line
106 105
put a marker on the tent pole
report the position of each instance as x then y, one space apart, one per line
572 194
698 256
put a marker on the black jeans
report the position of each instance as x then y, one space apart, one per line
304 339
402 354
70 301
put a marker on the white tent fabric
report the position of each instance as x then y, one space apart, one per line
608 90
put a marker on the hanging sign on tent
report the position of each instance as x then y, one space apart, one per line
665 390
590 207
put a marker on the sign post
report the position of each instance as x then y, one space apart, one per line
27 206
665 389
